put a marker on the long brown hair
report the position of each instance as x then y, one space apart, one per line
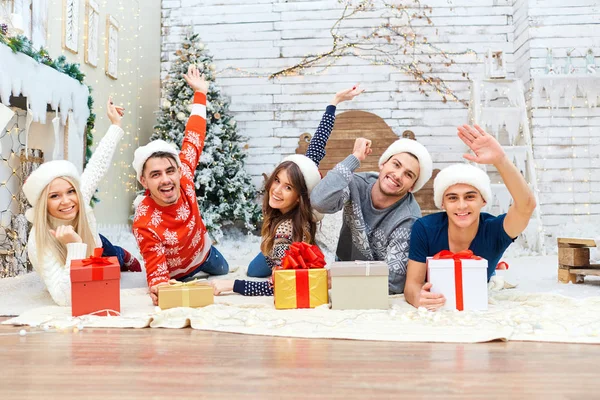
303 225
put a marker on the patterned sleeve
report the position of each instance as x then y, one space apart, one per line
153 252
316 147
333 191
195 133
397 255
252 288
283 239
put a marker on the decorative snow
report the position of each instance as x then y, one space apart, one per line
42 85
568 86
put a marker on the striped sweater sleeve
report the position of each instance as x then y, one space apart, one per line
316 147
193 140
252 288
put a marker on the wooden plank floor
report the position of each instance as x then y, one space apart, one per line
185 363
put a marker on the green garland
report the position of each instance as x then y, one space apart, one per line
20 44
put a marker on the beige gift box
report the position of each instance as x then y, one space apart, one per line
359 285
190 294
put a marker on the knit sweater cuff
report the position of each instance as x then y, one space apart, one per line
330 109
239 286
351 162
76 251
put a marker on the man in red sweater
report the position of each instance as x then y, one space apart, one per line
167 225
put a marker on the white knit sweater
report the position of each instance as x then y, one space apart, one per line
56 275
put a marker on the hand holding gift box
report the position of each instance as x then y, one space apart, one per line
185 294
461 277
301 279
95 284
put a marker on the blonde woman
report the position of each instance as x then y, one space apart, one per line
64 225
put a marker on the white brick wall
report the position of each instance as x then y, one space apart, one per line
272 34
567 140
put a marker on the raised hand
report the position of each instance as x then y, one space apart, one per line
196 80
114 113
362 148
486 148
65 234
346 94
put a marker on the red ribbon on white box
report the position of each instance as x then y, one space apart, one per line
458 280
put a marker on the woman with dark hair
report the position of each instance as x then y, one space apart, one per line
287 214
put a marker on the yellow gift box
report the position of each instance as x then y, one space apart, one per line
190 294
300 288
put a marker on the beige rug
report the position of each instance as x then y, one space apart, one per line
512 315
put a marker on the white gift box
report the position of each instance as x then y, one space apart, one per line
473 285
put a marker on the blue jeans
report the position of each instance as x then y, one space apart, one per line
215 264
258 267
109 250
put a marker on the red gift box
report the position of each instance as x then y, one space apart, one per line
95 284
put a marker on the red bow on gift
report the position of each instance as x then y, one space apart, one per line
458 281
461 255
302 255
96 258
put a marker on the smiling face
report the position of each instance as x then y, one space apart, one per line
283 196
397 176
62 201
162 177
463 204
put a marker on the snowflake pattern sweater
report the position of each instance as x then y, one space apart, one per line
284 232
173 240
55 274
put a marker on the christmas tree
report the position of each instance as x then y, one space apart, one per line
224 189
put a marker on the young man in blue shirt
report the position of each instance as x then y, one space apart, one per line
462 190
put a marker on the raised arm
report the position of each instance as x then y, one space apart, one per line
195 129
488 151
332 191
100 161
316 147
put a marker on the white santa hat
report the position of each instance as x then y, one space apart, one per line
308 168
142 154
461 173
37 181
311 175
416 149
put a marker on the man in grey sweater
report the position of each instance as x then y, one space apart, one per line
379 208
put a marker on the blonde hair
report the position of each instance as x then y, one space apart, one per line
41 220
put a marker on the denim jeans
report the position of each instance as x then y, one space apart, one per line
215 264
109 250
258 267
